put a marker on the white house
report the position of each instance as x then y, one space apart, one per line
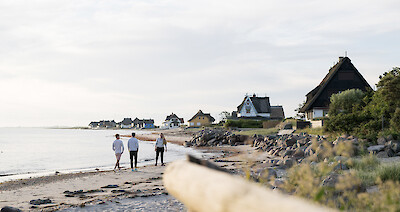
259 108
172 121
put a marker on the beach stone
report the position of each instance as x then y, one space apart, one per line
288 162
376 148
188 144
340 166
110 186
299 153
40 201
267 174
10 209
330 180
394 145
118 191
381 141
382 154
390 153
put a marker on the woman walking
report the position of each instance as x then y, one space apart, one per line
159 148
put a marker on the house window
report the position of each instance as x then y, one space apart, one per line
198 123
248 109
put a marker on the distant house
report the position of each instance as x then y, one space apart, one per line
148 123
254 107
201 119
342 76
127 123
143 123
94 124
137 123
172 121
107 124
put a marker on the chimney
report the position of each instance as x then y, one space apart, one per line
340 58
254 95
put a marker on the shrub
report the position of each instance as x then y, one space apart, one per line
244 123
389 172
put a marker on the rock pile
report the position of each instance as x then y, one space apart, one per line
294 148
215 137
387 147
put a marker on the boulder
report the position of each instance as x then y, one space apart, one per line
394 145
330 180
390 153
278 183
40 201
299 153
290 141
10 209
376 148
289 162
381 141
266 174
382 154
211 142
340 166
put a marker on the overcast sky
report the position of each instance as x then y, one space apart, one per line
69 62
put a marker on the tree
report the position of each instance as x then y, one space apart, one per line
344 111
363 114
385 100
224 115
299 114
345 101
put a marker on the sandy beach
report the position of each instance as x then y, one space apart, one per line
122 190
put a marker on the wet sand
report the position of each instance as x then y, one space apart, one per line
141 190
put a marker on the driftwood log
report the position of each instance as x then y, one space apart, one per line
209 190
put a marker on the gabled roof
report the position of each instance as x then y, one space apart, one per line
313 95
200 113
127 121
277 112
261 104
148 121
174 116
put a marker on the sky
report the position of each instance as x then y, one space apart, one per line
70 62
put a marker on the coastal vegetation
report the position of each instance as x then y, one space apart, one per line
368 114
243 123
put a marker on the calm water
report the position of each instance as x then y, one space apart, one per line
26 152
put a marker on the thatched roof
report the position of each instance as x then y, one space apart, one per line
261 104
344 65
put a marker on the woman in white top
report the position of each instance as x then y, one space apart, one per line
159 148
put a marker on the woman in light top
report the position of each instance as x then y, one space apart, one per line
159 148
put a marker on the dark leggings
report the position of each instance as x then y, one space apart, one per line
132 154
158 151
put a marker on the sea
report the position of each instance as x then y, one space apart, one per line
33 152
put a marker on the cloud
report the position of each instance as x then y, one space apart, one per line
70 62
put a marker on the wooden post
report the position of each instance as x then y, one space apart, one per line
204 189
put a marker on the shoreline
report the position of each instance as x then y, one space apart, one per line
174 136
78 190
86 191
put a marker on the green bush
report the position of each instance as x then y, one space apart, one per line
362 114
244 123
